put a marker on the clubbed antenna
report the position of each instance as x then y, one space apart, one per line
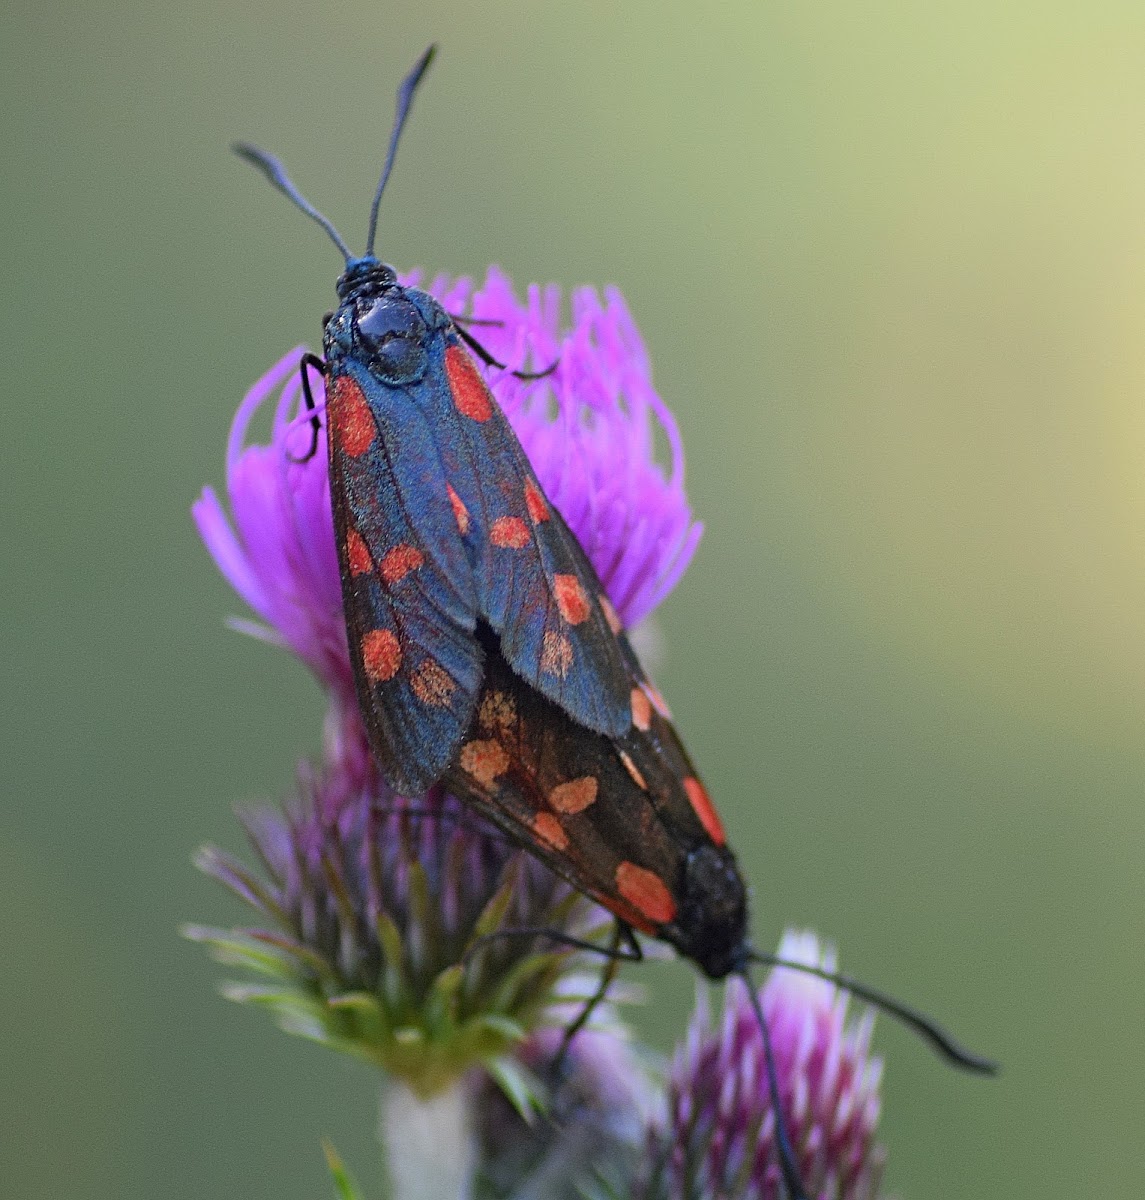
405 99
276 173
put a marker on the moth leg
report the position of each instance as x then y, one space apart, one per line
607 975
310 360
629 953
490 361
457 319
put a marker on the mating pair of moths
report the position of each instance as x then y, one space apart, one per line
485 652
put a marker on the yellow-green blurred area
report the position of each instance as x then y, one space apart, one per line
890 264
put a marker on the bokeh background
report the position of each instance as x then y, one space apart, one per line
890 262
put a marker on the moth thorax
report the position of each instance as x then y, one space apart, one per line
713 914
391 335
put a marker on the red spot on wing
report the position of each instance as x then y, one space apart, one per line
358 554
645 891
460 512
432 684
628 914
571 599
497 713
535 503
381 655
470 395
510 533
484 760
549 830
658 701
574 796
350 417
641 710
400 561
705 809
609 613
556 654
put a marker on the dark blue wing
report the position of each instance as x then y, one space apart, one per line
407 583
533 582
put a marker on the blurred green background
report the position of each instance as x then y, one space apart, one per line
890 263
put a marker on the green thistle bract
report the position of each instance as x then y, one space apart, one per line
376 936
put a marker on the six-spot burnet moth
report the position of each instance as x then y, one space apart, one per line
485 653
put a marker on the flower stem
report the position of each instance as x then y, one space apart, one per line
430 1147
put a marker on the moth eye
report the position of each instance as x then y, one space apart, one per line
327 317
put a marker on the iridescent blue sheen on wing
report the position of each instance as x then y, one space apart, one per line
534 584
406 581
441 522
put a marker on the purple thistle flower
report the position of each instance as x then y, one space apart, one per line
718 1138
588 428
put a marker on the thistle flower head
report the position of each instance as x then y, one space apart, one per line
718 1138
374 916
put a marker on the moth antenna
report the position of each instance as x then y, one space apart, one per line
276 173
405 99
791 1180
929 1030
